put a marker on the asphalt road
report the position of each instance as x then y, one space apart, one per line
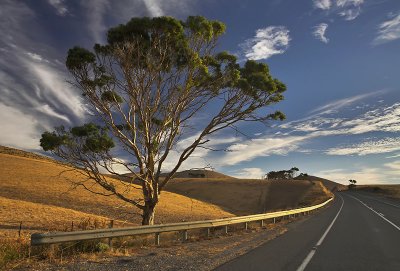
359 231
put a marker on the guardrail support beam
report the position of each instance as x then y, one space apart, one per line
71 236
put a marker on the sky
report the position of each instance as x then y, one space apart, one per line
339 59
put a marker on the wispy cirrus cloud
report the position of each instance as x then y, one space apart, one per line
322 4
295 135
34 95
351 9
269 41
60 6
362 174
248 173
348 9
338 104
384 145
388 31
320 31
124 10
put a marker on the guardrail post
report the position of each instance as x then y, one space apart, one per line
246 225
111 225
274 220
262 223
20 229
185 235
208 232
226 229
157 239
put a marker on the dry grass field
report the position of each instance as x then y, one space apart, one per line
28 185
389 190
245 196
39 192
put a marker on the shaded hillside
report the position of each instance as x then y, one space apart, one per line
240 197
245 196
195 173
332 186
388 190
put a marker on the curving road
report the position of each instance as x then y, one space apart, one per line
359 231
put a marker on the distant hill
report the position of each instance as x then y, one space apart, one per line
193 173
332 186
21 153
199 173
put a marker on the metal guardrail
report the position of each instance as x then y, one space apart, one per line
60 237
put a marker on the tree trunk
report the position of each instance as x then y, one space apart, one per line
148 213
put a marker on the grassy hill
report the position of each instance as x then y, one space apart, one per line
246 196
388 190
40 191
332 186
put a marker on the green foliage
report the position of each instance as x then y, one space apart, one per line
79 57
111 97
50 141
86 138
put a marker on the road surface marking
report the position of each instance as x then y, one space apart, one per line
379 214
381 201
314 249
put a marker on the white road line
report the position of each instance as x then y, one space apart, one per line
381 201
379 214
314 249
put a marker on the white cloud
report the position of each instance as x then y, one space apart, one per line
95 12
322 4
350 14
264 146
18 129
338 104
267 42
393 156
60 6
388 30
124 10
384 145
362 175
153 6
319 32
393 165
249 173
351 9
382 119
346 3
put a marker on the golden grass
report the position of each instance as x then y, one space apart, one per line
238 196
245 196
41 217
39 181
390 190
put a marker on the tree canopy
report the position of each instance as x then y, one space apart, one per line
145 86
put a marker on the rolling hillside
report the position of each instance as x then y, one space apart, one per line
245 196
36 189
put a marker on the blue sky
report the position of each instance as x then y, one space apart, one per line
339 59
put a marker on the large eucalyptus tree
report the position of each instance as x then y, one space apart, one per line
145 85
